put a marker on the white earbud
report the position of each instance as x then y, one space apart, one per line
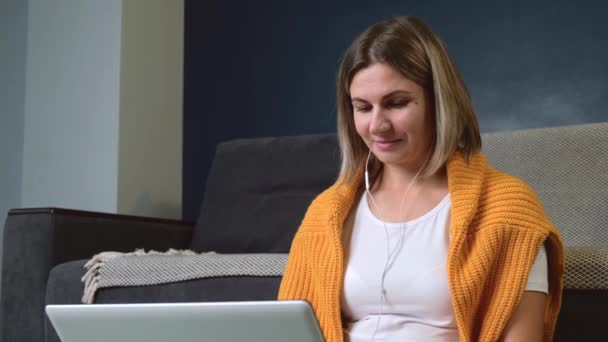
366 173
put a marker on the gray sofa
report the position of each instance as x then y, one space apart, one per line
256 194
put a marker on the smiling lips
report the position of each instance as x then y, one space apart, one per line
386 144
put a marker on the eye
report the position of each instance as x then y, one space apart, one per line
398 103
362 109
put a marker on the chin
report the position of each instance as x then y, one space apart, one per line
391 160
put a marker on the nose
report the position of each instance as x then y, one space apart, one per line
379 122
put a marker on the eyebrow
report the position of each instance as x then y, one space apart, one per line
385 96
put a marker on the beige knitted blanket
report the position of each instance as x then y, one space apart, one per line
586 268
140 268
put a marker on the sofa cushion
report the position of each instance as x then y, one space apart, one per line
259 189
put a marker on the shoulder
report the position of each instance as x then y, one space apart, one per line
330 208
511 200
500 184
319 212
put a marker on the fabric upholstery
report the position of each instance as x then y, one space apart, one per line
586 268
258 190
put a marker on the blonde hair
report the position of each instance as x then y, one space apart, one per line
408 45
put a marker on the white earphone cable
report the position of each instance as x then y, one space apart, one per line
389 255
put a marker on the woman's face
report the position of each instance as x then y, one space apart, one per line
392 115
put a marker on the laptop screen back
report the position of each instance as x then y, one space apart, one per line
267 321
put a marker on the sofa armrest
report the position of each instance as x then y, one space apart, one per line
36 240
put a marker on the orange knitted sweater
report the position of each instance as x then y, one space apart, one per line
497 227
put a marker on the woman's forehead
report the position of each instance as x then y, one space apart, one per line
380 80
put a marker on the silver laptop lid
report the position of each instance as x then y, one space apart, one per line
267 321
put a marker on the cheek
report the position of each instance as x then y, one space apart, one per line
410 125
361 125
415 122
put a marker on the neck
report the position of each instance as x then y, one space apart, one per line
396 179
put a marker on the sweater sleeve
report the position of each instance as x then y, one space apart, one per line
296 278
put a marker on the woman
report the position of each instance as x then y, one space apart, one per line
419 239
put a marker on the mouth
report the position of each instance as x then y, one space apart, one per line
386 144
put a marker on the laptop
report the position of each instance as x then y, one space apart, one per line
267 321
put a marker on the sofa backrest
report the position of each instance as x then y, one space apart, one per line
568 168
259 189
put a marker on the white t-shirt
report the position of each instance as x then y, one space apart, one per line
417 304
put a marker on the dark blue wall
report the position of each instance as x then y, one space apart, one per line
264 68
